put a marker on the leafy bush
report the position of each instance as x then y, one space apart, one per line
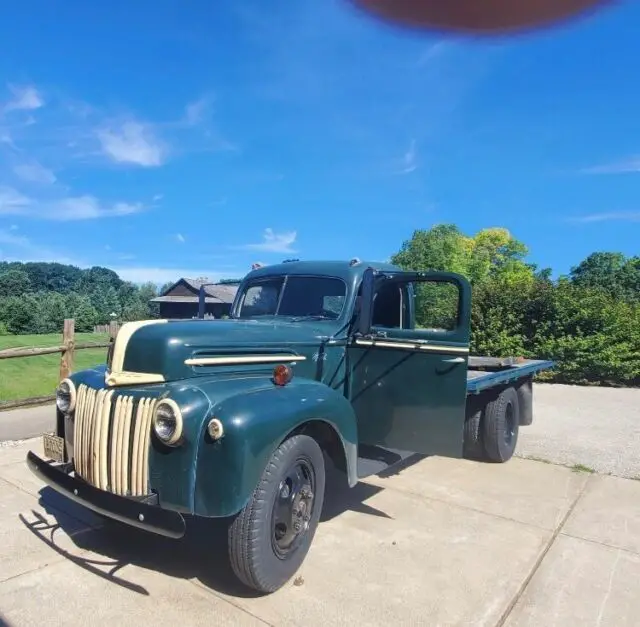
588 323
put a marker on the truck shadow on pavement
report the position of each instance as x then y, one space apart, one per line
106 549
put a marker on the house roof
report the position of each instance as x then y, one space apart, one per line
214 293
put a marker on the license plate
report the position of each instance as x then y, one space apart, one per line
53 447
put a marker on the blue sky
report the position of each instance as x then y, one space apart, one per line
168 139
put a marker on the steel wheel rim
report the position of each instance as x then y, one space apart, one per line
293 507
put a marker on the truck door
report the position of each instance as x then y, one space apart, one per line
408 381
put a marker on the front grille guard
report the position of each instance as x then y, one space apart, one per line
111 440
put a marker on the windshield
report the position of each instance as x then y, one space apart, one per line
298 296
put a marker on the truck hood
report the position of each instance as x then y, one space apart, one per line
154 351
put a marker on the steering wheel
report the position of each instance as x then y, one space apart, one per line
478 16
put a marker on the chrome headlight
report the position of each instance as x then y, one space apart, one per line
167 421
66 396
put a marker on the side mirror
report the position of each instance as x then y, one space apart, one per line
363 326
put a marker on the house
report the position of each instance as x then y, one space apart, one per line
182 298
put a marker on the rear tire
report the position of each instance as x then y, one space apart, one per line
501 425
270 537
473 447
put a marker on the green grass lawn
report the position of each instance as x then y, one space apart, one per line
26 377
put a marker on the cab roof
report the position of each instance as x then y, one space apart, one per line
346 270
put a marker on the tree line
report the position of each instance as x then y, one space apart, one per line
588 321
37 297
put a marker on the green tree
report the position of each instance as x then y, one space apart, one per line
98 277
490 253
18 314
613 272
14 283
50 312
105 300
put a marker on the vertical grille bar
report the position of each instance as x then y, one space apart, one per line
114 445
127 459
136 470
144 444
112 439
102 444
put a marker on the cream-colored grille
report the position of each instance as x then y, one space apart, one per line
111 440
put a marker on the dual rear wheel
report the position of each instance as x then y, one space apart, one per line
492 426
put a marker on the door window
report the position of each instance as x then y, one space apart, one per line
436 305
426 307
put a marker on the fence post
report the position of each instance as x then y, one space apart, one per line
113 329
68 340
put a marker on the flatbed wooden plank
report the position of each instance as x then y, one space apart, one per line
478 380
478 361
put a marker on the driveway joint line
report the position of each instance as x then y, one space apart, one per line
230 601
467 507
35 569
600 543
525 584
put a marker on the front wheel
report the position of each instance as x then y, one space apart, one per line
271 536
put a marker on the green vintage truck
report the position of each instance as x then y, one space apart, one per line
320 362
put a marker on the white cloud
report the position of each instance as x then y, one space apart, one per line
25 98
433 52
133 142
275 242
13 227
23 249
612 216
88 207
12 202
180 237
628 166
196 112
13 240
28 250
67 208
35 173
410 159
160 275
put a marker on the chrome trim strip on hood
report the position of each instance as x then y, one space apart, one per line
241 359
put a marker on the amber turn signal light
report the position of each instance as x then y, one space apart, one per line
282 374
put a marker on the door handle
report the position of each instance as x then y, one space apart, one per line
454 360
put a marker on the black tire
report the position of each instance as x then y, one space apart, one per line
257 551
501 425
473 447
525 402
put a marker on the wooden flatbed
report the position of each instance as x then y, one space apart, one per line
488 372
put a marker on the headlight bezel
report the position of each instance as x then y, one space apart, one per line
72 396
177 434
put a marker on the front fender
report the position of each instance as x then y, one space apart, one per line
255 424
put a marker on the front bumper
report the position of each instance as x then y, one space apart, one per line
129 511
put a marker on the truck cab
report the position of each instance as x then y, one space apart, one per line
320 362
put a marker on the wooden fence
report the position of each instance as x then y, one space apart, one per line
67 351
111 328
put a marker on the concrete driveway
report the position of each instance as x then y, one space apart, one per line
440 542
